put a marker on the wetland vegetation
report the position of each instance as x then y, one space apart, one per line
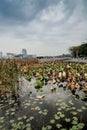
43 96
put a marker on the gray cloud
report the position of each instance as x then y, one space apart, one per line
22 10
46 27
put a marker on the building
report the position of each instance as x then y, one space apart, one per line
19 56
24 51
22 55
10 55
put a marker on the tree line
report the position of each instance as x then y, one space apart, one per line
79 51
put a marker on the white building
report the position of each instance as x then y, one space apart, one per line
10 55
23 55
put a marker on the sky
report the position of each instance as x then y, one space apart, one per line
43 27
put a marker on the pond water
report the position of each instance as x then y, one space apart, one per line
42 110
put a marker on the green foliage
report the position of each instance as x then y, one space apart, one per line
79 51
9 74
38 84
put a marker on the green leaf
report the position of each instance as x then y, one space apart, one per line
58 126
81 125
67 119
49 127
52 121
43 128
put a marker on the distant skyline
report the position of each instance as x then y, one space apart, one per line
43 27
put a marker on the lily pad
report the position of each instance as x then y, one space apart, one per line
43 128
81 125
67 119
49 127
52 121
74 113
58 126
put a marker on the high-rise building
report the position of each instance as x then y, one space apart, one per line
24 51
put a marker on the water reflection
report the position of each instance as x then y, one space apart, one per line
55 106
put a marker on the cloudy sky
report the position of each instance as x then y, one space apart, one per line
43 27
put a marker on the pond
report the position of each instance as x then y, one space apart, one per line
45 109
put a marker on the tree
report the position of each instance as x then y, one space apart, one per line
79 51
83 50
74 51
